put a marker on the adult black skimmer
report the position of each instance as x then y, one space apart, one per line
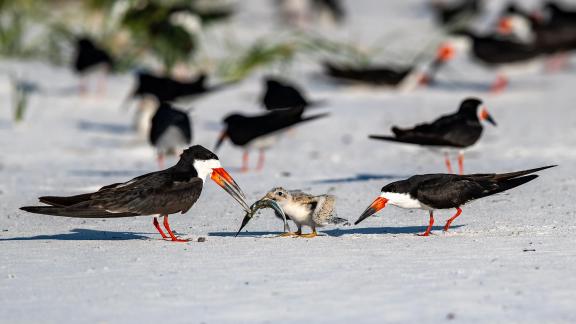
496 51
168 89
459 130
444 191
88 57
165 192
551 38
279 94
260 131
170 132
384 75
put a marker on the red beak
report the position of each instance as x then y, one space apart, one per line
484 115
224 180
376 205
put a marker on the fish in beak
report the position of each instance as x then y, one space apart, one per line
376 205
484 115
224 180
263 203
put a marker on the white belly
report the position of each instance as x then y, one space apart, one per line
171 141
299 214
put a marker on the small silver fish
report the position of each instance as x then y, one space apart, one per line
260 204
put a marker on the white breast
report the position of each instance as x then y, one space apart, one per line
297 212
403 201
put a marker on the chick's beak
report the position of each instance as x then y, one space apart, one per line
484 115
224 180
376 205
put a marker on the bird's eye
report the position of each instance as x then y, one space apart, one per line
280 194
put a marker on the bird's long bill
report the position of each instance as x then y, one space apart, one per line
221 139
224 180
376 205
245 221
484 115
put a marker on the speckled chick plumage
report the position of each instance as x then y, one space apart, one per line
306 209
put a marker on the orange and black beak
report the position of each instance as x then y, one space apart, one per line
378 204
484 115
505 26
224 180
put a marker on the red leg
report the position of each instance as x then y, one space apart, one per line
499 84
429 225
261 160
447 161
447 226
157 225
172 236
160 161
244 162
461 163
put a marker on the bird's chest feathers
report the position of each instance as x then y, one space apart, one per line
403 200
297 212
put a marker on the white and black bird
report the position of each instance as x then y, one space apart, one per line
306 210
170 132
260 132
458 130
170 191
445 191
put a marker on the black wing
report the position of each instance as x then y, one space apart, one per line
154 193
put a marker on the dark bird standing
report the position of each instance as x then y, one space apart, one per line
88 57
167 89
170 191
443 191
279 94
458 130
260 131
170 131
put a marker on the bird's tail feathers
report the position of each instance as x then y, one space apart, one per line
511 175
74 212
511 183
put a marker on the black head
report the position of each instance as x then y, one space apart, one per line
273 83
469 107
85 43
198 153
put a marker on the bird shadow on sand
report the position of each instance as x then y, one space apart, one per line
110 128
361 177
80 234
346 231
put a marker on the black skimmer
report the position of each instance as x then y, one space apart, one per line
383 75
445 191
551 38
305 209
88 57
170 191
459 130
168 89
170 132
279 94
260 131
496 51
